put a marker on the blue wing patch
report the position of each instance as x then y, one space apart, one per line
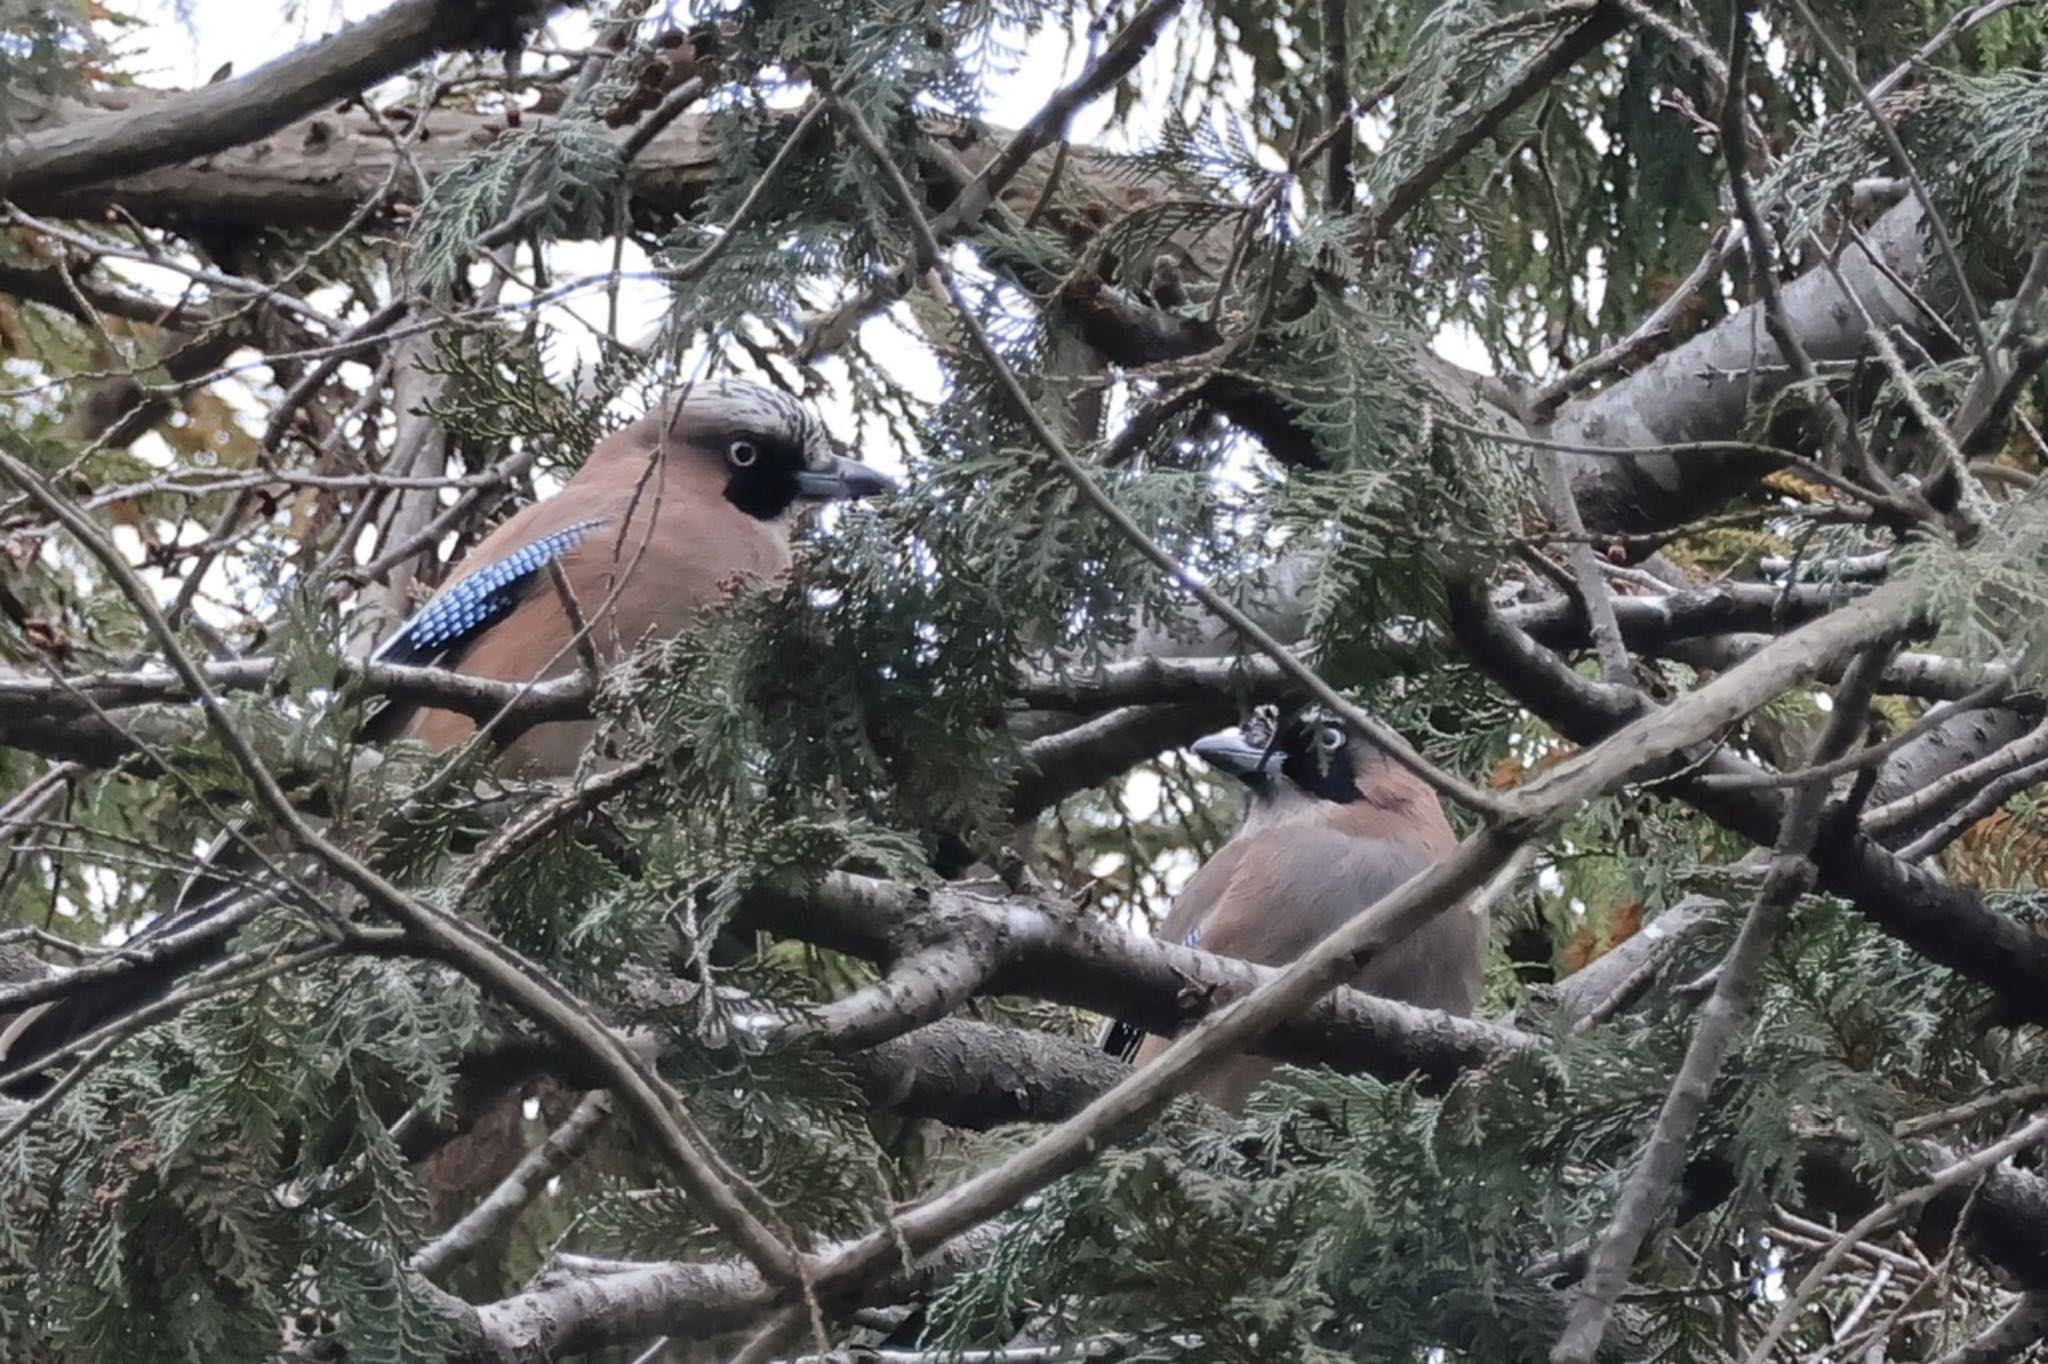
479 599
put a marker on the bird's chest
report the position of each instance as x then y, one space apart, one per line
655 583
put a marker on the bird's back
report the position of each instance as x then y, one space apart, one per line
1285 883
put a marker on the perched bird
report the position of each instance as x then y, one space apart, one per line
1332 825
663 517
661 520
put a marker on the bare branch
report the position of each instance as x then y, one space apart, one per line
570 1311
1956 1174
1018 944
165 130
528 1180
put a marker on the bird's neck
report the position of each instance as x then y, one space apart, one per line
1279 802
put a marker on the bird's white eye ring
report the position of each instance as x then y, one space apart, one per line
741 454
1330 738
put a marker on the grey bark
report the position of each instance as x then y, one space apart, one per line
129 136
1705 389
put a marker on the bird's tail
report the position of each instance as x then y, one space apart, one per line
1122 1038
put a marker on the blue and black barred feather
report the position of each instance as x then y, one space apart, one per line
479 599
1123 1036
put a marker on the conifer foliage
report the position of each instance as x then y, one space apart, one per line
1635 405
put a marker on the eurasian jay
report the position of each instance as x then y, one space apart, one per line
663 517
660 521
1332 825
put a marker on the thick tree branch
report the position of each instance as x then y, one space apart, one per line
1102 748
979 1075
1013 944
75 719
163 130
571 1311
1649 624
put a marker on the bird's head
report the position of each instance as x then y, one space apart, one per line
771 450
1310 753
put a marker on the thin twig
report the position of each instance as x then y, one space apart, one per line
1904 164
1966 1170
1598 602
1983 1106
1641 339
932 257
1839 436
1990 694
1047 126
579 628
2022 1327
1959 23
1727 1014
2025 751
517 1191
1993 794
536 824
97 1045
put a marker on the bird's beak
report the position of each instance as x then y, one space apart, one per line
1238 756
842 478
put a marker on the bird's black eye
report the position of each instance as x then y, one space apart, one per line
1330 738
741 454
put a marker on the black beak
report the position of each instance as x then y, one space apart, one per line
1238 756
846 478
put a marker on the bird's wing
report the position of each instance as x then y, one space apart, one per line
1300 882
1184 925
1288 887
479 599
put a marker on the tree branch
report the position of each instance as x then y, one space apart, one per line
1947 923
1020 945
528 1180
1647 1192
164 130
